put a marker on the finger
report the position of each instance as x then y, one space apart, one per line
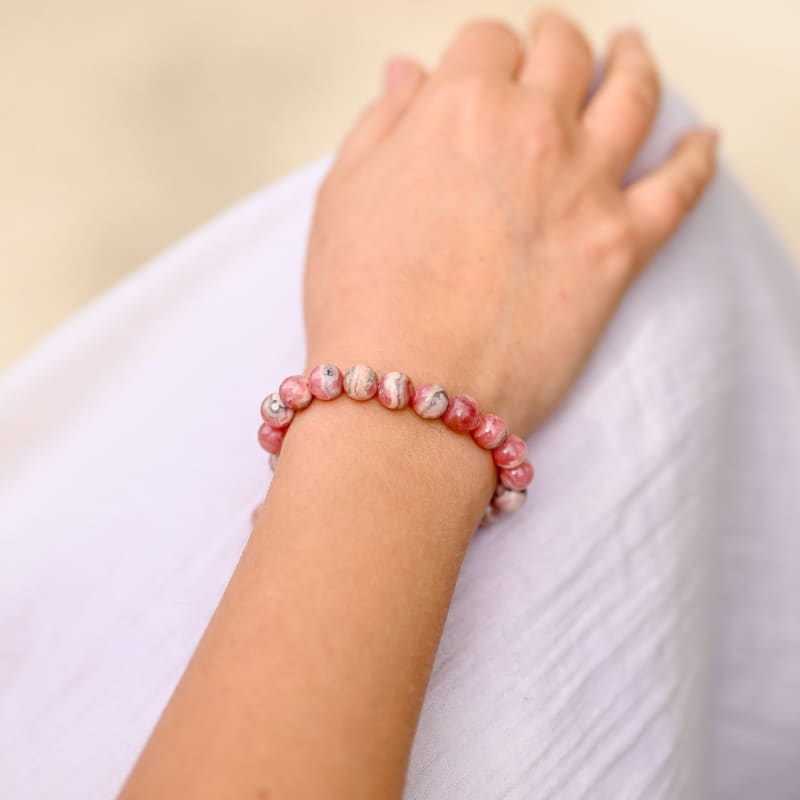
402 80
618 117
660 201
489 47
559 60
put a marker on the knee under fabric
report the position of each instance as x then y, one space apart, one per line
632 632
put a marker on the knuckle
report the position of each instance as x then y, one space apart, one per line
569 32
474 90
545 16
545 130
641 91
467 95
701 168
582 44
612 248
673 206
687 188
487 26
689 183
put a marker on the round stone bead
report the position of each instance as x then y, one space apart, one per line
490 432
511 453
325 382
507 500
395 390
518 477
430 401
360 382
271 438
463 413
274 412
294 392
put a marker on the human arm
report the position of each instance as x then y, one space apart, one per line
473 231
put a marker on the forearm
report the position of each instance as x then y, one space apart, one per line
473 230
309 680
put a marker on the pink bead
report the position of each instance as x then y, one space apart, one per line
463 413
325 382
491 431
511 453
517 477
294 392
430 401
271 438
275 412
508 500
395 390
360 382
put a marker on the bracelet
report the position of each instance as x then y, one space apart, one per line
395 390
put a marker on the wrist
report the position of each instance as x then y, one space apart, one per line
413 464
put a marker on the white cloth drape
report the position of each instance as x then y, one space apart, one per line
634 632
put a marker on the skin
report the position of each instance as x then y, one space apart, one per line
473 231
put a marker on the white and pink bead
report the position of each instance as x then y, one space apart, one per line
325 382
360 382
430 401
395 390
295 393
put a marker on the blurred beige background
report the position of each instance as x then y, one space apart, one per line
125 125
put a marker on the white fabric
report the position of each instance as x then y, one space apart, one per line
634 632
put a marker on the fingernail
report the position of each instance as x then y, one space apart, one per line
630 32
396 69
713 135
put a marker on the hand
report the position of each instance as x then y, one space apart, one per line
473 230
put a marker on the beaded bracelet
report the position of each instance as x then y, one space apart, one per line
395 390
